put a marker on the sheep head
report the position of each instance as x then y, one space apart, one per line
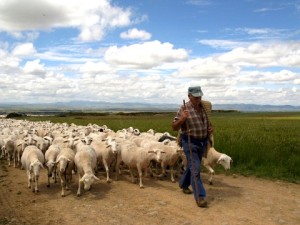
35 168
88 180
225 161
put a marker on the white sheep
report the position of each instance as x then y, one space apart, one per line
32 161
20 145
151 131
65 166
213 158
2 146
78 143
136 157
61 141
50 159
86 163
173 153
41 143
10 151
98 136
106 153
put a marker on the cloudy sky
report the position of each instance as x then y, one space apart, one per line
238 51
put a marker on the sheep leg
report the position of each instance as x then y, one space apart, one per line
36 179
19 159
8 159
132 175
211 177
163 170
117 168
79 186
150 171
172 174
48 175
54 173
29 179
15 159
146 172
63 184
211 172
108 180
68 180
140 172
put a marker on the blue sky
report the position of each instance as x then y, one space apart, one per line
238 51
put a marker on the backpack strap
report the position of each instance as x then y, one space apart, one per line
207 106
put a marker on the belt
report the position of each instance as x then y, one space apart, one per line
199 139
196 138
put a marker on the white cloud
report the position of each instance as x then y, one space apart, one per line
34 68
91 18
267 78
223 44
207 68
261 33
145 55
96 68
265 54
265 9
136 34
7 61
25 49
297 81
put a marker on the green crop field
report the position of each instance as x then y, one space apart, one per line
261 144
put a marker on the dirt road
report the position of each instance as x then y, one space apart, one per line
232 200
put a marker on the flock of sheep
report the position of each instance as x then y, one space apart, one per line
66 150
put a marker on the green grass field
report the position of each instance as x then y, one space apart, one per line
261 144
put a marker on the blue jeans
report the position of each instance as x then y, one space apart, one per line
188 178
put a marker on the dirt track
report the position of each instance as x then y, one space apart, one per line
232 200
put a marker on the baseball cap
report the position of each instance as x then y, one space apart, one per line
195 91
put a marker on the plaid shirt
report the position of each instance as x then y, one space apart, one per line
197 121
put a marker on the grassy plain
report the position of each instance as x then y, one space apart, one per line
261 144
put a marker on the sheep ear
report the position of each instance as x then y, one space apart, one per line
57 160
82 179
96 178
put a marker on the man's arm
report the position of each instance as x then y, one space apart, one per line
178 122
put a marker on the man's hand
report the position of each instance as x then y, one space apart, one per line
185 114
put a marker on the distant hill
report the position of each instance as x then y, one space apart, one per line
257 108
148 107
